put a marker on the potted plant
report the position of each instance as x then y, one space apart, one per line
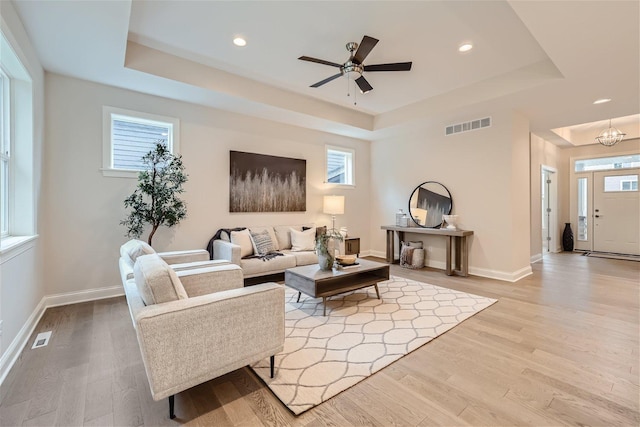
155 201
326 245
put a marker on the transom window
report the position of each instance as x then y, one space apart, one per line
604 163
340 165
129 135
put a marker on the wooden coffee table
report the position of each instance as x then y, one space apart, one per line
312 281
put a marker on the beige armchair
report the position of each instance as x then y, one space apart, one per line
197 324
178 260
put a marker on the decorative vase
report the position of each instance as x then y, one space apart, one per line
567 238
325 261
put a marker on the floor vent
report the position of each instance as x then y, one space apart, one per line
42 339
468 126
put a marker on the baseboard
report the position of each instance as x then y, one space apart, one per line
535 258
83 296
502 275
379 254
10 356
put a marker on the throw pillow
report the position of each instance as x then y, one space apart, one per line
302 240
242 239
262 243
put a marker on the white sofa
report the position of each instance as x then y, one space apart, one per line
225 250
199 323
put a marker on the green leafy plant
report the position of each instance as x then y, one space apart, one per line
155 201
322 241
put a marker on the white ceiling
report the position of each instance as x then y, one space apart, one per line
548 60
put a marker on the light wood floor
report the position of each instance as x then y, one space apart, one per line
558 348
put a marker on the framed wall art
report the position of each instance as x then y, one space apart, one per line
262 183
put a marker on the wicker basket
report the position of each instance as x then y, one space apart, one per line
411 257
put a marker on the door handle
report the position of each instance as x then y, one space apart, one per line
599 216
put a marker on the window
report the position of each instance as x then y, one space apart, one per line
17 201
340 165
620 183
582 209
604 163
5 153
129 135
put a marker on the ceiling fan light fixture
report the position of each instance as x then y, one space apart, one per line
239 41
465 47
610 136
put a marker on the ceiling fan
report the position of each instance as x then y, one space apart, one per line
354 67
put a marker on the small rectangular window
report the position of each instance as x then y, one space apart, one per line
620 183
340 165
129 135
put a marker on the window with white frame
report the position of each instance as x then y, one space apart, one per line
17 144
340 165
5 152
129 135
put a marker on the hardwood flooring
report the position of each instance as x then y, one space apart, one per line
560 347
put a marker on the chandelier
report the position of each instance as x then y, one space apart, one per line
610 136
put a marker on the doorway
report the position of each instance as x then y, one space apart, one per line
549 203
616 212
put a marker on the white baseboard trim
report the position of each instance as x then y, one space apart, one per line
83 296
379 254
12 353
535 258
10 356
502 275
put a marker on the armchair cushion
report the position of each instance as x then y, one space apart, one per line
156 281
135 248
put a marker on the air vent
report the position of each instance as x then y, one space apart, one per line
468 126
42 339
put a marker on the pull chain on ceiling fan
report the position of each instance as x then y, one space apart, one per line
354 67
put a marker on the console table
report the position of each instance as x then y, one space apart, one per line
461 245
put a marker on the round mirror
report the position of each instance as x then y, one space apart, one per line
428 203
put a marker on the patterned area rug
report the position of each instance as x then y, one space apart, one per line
360 335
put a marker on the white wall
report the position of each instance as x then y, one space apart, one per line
544 153
84 207
487 173
21 271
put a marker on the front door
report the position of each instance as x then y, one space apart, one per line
616 212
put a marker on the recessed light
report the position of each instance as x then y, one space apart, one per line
465 47
601 100
239 41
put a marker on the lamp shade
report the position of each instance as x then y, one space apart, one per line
333 205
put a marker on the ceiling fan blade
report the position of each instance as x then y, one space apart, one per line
327 80
363 84
320 61
365 47
398 66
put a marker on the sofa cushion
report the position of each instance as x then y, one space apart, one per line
135 248
302 240
242 239
156 281
303 257
272 235
257 267
283 235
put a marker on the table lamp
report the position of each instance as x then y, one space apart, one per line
333 205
